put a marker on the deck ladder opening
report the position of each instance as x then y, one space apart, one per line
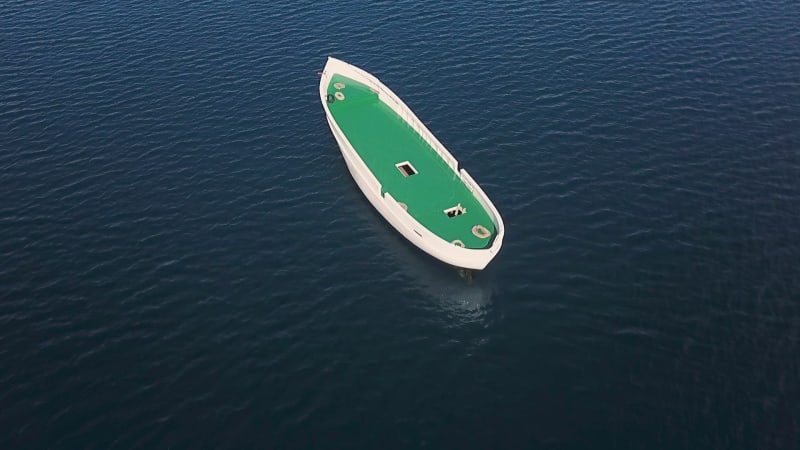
455 211
406 168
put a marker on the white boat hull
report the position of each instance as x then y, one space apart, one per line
391 210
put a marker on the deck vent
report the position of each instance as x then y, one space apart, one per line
455 211
406 168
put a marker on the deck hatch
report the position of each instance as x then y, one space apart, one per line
455 211
406 168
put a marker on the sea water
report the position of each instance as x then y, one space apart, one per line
185 261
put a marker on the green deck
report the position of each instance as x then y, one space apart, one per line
383 139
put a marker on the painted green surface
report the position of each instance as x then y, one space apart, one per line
383 139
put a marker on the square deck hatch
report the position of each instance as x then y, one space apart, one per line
406 168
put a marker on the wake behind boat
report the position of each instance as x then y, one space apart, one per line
406 173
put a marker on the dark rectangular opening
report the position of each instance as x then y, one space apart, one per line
406 169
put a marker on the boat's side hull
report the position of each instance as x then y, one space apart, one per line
475 259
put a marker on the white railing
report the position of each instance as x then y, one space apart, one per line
386 204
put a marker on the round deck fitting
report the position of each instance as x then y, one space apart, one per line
480 231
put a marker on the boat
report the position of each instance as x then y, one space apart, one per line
407 175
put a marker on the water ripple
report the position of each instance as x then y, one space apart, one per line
187 262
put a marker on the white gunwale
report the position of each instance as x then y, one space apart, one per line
395 214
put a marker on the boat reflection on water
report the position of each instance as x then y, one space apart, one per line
445 288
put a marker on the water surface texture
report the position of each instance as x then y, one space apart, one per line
185 261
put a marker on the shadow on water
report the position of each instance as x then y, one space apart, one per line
443 287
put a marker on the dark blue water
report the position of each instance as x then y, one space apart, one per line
185 261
